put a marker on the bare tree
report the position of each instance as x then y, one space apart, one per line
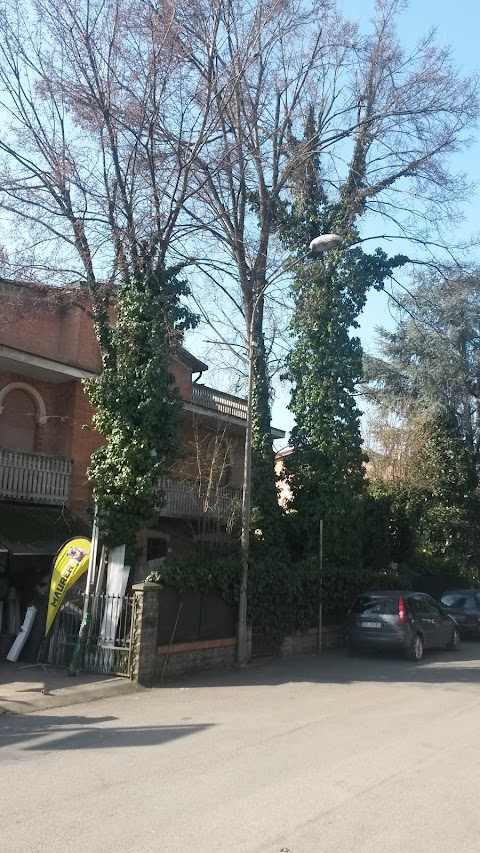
93 188
264 59
89 179
212 453
386 122
388 442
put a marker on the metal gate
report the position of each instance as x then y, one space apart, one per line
108 648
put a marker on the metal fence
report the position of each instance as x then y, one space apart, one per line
108 648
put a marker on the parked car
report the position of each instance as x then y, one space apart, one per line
409 621
464 606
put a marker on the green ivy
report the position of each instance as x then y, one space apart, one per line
221 574
266 512
283 597
137 402
325 365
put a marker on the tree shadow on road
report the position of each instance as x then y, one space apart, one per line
46 733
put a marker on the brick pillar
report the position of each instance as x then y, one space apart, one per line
144 653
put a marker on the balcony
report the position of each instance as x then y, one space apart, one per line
225 405
34 478
217 401
185 500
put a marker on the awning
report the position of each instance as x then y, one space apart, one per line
34 530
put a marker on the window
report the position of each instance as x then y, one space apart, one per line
367 604
450 599
460 601
413 605
18 421
423 605
431 605
156 548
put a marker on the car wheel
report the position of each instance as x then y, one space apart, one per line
453 644
415 652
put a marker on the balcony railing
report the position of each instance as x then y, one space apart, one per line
34 478
185 500
226 404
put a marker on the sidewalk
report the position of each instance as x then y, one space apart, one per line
25 689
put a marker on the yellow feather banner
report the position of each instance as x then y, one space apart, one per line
68 566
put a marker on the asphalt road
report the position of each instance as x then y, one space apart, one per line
306 755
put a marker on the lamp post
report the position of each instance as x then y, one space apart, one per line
322 243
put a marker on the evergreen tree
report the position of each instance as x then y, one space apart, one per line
444 480
266 512
325 364
432 358
324 367
428 372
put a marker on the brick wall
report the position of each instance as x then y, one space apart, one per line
55 437
181 658
58 325
62 435
152 663
179 534
84 442
307 642
183 378
50 323
198 435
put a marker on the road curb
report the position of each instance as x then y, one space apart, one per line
65 696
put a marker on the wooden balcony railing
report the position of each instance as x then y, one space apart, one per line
34 478
185 500
226 404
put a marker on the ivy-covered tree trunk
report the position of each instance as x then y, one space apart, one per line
325 364
137 402
325 469
266 512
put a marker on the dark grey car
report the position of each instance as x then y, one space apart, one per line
464 606
408 621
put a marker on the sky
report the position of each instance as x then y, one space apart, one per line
458 25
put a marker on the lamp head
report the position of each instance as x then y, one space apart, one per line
325 242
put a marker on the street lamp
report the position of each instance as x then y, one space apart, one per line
323 243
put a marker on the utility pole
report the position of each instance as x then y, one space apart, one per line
320 575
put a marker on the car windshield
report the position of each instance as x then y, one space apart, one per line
461 600
375 604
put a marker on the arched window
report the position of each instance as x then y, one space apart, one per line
21 409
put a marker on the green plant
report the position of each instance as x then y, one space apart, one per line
221 574
283 596
137 403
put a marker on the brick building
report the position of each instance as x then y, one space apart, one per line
47 346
